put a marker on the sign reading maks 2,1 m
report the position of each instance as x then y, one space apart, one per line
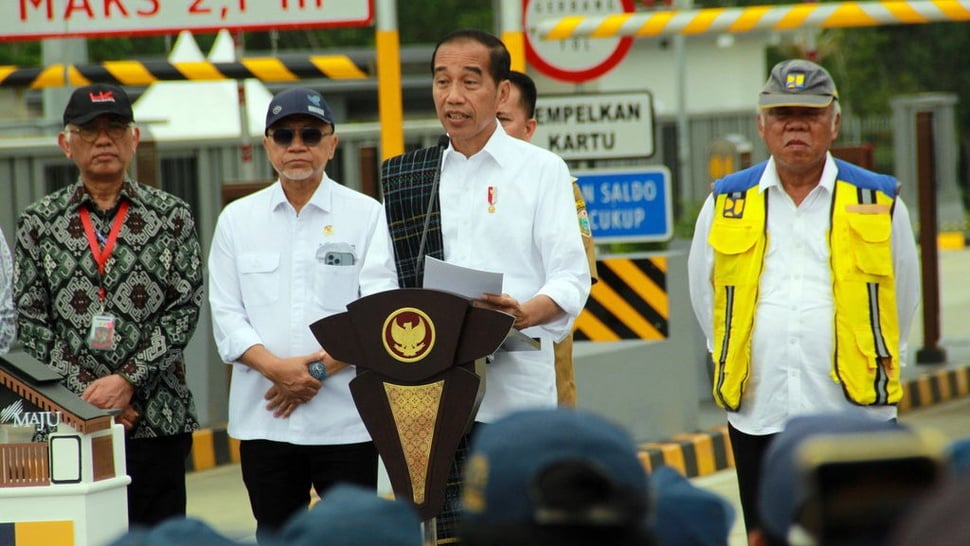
35 19
600 126
628 206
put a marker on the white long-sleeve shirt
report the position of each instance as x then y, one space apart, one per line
269 279
532 237
792 345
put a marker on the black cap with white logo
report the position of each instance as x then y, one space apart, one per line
91 101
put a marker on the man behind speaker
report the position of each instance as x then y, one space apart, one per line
518 117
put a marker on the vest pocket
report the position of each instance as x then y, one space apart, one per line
869 239
734 247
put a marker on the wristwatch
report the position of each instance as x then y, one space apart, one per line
318 370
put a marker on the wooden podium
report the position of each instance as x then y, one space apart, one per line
420 357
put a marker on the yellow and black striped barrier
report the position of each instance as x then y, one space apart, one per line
693 454
646 24
143 73
630 301
212 447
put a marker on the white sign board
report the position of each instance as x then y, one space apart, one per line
35 19
600 126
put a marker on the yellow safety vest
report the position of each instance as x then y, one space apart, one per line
865 360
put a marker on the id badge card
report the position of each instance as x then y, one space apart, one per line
102 334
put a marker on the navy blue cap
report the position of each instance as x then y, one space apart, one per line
296 102
554 468
349 515
687 515
781 492
91 101
959 455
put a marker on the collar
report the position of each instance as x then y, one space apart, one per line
769 178
498 147
130 190
322 197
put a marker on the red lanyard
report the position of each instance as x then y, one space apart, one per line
101 255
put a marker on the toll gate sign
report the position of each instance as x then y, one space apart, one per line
628 206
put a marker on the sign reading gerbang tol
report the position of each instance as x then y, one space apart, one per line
35 19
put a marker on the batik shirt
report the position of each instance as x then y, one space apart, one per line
8 316
152 284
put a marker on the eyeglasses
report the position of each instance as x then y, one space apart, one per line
90 132
311 136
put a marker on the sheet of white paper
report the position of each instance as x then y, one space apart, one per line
464 281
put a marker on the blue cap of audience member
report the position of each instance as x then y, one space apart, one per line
781 492
554 476
175 532
959 455
686 515
350 515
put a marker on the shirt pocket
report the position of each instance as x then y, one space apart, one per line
259 277
336 286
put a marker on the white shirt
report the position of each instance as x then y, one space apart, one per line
532 237
269 280
794 326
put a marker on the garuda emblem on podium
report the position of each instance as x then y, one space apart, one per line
408 334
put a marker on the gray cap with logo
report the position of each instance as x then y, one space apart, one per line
799 83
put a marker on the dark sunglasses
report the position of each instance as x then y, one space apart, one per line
311 136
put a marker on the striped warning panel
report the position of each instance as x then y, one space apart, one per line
137 73
629 302
37 533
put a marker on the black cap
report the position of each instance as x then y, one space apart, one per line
798 82
100 99
296 102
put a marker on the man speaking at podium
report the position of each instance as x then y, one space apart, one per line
487 201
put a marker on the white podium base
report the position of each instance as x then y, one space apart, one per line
93 513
